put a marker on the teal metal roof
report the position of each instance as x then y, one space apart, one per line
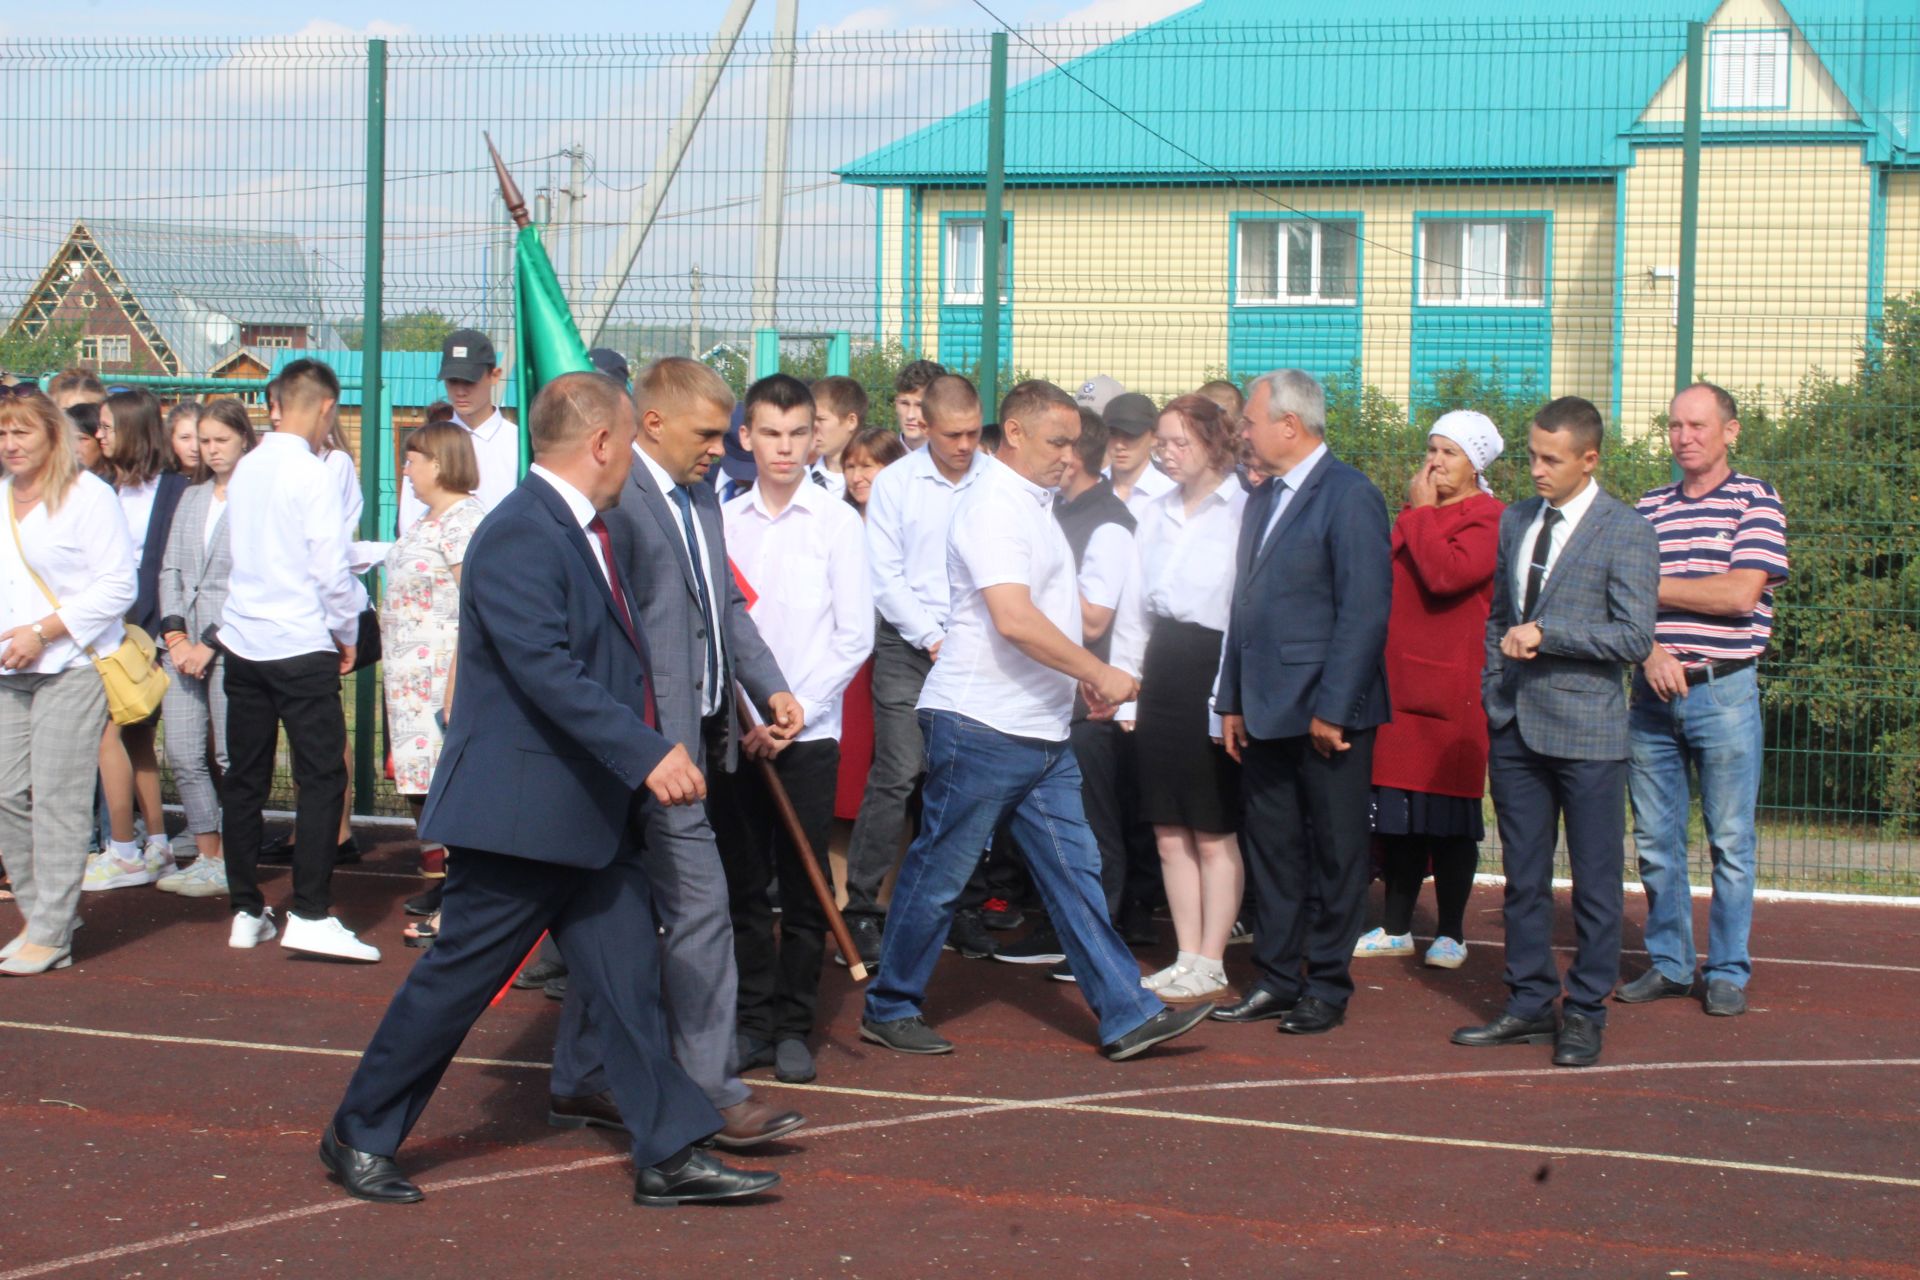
412 378
1494 87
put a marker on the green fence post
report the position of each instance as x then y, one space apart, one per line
1689 207
839 353
766 353
372 402
989 368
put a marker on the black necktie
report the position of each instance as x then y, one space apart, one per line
820 480
684 501
1537 567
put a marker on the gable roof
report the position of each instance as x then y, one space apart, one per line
1508 87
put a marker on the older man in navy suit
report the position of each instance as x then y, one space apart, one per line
1302 688
552 747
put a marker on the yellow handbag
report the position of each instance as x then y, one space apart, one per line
132 673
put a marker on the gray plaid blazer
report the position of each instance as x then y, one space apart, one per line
193 575
1596 616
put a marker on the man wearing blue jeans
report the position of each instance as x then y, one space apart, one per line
995 713
1696 700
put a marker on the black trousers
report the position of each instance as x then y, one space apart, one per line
1306 841
303 694
779 982
1531 794
490 917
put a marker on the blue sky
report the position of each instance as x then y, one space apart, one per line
92 18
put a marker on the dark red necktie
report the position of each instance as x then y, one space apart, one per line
598 528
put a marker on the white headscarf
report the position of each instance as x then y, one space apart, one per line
1477 437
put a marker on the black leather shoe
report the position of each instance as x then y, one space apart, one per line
555 988
701 1178
538 974
1259 1004
1312 1017
753 1053
1160 1028
1724 999
278 850
596 1110
1507 1029
1652 985
1578 1044
367 1177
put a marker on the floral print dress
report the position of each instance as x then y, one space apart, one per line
419 628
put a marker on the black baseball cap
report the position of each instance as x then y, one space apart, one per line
466 356
1130 414
611 363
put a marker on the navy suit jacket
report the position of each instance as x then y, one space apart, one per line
1307 634
547 742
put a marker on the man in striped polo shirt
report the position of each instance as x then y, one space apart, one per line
1696 699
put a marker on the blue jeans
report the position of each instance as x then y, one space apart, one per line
1714 731
977 778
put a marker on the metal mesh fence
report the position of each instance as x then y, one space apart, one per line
1427 215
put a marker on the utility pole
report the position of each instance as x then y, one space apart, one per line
766 283
576 196
693 337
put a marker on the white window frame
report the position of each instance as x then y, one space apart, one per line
90 349
954 296
115 348
1465 222
275 342
1278 228
1735 58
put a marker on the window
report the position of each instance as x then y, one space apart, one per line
1483 264
275 341
1298 260
88 300
116 350
90 350
1747 70
963 264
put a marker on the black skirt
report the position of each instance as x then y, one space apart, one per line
1184 779
1422 813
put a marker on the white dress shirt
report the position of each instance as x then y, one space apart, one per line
136 504
1150 484
831 483
1571 512
714 694
1003 531
496 448
807 568
85 556
216 508
291 592
1187 559
1294 480
908 511
583 513
1107 564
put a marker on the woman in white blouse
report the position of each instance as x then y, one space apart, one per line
65 534
1188 788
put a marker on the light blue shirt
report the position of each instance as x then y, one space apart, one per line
1291 484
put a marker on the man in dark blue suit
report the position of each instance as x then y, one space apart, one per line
551 750
1302 688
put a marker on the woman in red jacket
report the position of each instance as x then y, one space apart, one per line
1430 763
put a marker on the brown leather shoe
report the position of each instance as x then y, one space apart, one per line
596 1109
752 1122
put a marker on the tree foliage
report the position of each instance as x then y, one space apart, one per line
407 331
56 347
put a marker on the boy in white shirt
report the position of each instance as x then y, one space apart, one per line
839 410
799 552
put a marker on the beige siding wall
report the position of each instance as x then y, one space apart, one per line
1782 269
1903 234
1811 92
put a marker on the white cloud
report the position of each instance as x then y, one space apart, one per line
1123 13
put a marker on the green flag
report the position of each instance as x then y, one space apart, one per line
546 342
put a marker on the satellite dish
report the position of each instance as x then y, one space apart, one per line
219 330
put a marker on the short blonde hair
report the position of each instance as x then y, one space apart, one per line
674 382
451 446
63 463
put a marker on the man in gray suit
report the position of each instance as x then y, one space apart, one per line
1574 599
668 536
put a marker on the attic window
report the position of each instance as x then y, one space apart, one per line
1747 70
88 300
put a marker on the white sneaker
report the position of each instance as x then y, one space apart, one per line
1378 942
1155 981
206 878
159 856
326 937
251 931
104 871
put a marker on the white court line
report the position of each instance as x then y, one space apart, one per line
1090 1104
1759 961
1759 895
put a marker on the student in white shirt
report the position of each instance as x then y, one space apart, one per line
996 712
289 628
473 379
1130 419
800 556
907 514
839 409
65 528
1186 785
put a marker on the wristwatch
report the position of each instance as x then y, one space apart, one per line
39 633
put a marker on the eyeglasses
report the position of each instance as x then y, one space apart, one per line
1172 446
22 389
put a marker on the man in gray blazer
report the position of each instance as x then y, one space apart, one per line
1575 594
702 640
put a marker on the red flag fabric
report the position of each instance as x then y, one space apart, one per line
740 580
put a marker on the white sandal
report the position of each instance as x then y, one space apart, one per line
1172 973
1194 986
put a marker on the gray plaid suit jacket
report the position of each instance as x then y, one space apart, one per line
193 576
1596 614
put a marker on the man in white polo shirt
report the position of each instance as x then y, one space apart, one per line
799 553
995 714
473 378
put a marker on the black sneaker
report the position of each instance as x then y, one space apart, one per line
998 913
346 851
555 988
1062 972
968 936
538 974
866 940
1042 946
1240 935
907 1035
